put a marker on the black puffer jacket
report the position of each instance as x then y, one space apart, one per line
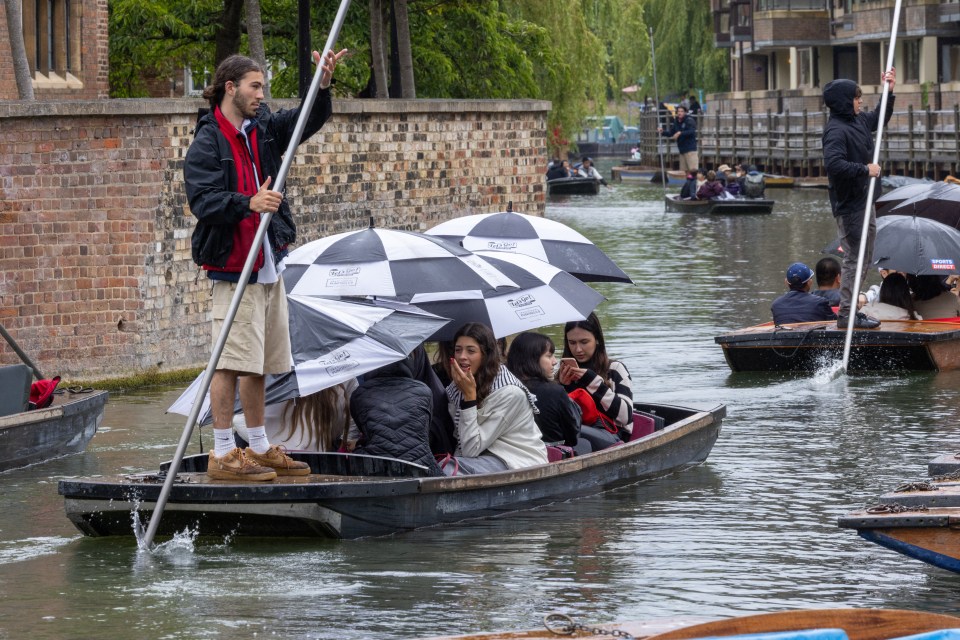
211 180
393 412
848 147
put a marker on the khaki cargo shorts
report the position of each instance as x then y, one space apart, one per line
259 338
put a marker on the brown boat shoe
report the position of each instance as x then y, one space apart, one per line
277 458
236 466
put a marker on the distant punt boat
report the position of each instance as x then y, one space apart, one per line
64 427
573 186
778 182
352 496
808 346
730 206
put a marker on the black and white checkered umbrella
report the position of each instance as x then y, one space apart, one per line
548 240
547 296
386 262
333 341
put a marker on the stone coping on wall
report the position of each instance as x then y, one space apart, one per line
153 106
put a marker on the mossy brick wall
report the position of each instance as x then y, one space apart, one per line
96 279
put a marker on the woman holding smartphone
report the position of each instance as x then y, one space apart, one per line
586 365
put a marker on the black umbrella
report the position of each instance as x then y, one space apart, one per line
912 244
900 194
940 202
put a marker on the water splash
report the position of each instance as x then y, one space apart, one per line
179 549
827 371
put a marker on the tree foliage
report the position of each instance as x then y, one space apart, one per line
578 54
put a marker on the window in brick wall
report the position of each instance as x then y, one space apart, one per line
51 34
911 62
949 63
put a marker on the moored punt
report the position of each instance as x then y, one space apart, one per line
351 496
634 172
921 520
778 182
723 207
573 186
856 624
807 346
65 427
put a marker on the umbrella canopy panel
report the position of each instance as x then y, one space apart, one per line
898 195
386 262
548 240
916 245
940 201
547 296
333 341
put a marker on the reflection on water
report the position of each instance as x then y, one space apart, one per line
752 530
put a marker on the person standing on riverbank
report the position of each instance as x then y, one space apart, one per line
234 157
847 147
684 132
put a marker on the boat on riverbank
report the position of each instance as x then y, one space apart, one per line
352 496
65 427
920 520
573 186
778 182
912 345
730 206
815 624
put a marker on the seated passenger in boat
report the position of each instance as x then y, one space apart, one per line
754 184
559 169
393 412
932 299
587 170
828 280
586 369
316 422
492 411
895 302
722 172
532 360
441 362
442 439
798 304
701 180
711 188
689 189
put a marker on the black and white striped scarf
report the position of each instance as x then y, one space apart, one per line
504 378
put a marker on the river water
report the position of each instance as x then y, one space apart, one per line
752 530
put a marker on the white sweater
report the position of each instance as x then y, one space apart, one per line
504 426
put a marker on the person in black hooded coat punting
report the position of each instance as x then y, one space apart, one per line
847 157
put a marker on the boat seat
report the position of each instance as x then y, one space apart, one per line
645 423
15 380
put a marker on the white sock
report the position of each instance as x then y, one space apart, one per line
258 439
223 442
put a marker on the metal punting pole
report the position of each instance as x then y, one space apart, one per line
277 185
656 96
868 211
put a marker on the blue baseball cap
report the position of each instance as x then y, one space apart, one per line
798 274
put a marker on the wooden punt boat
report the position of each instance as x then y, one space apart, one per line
856 624
920 520
723 207
637 172
66 426
807 346
778 182
573 186
351 496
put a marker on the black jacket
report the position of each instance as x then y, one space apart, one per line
393 412
211 181
800 306
559 417
848 147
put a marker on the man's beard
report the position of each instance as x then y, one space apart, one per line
242 107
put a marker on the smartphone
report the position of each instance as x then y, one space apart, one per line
570 362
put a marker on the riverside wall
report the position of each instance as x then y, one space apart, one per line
96 278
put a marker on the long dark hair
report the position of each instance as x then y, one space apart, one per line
233 68
523 359
600 362
895 290
490 365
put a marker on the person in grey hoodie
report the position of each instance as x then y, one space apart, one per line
847 149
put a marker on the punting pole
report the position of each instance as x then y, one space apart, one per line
851 321
20 352
277 185
656 96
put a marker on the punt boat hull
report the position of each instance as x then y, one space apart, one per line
573 186
903 345
732 206
64 427
349 496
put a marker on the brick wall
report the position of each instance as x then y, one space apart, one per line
94 58
96 279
